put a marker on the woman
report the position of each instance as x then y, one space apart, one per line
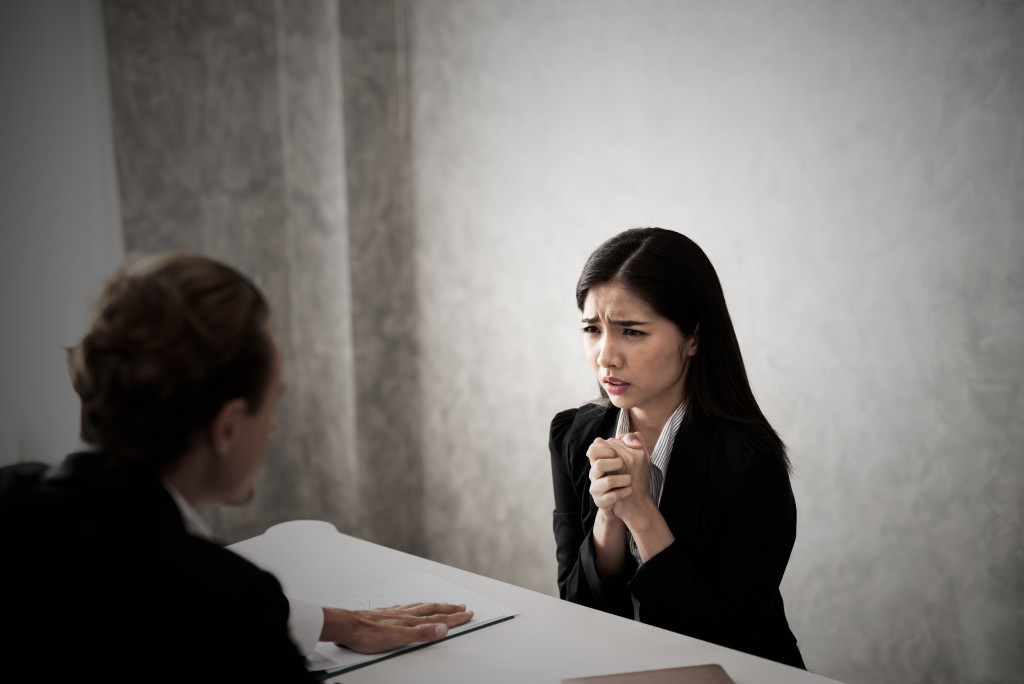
672 497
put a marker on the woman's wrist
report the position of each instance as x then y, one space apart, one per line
650 532
608 519
639 518
609 544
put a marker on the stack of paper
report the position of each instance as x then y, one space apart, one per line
329 659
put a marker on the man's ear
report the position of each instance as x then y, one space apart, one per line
690 348
226 426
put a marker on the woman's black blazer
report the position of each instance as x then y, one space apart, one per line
729 504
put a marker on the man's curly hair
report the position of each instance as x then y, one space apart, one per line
175 337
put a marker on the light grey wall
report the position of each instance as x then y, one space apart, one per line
381 236
855 170
229 140
60 232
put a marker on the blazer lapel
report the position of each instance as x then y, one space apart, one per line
686 479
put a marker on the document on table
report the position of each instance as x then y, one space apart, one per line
330 659
711 673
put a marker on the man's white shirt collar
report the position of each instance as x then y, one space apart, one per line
194 524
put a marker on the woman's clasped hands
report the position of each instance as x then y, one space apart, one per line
620 475
620 484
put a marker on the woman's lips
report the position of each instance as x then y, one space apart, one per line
613 385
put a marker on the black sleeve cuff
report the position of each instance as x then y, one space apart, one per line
609 590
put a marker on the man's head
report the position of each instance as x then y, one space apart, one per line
180 353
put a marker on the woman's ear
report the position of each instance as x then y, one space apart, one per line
226 427
690 346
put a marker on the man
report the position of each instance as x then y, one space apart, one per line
108 569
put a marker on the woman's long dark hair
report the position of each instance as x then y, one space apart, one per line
671 273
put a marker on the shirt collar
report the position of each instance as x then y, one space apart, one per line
194 524
663 448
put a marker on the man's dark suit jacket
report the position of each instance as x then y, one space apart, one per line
728 502
103 583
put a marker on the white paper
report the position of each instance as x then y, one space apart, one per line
415 588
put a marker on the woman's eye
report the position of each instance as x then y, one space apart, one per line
633 333
590 330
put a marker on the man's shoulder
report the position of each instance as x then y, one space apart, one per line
223 572
18 479
83 498
21 473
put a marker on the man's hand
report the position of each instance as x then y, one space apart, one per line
385 629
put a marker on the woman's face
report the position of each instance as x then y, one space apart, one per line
639 357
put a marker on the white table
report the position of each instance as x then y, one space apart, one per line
548 640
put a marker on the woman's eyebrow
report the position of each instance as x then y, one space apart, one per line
624 324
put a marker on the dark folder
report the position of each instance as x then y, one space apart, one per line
693 674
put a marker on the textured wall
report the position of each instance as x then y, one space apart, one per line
229 139
60 232
854 169
856 172
381 235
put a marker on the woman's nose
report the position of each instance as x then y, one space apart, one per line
608 354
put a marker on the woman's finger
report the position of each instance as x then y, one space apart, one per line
609 499
601 448
610 482
604 466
